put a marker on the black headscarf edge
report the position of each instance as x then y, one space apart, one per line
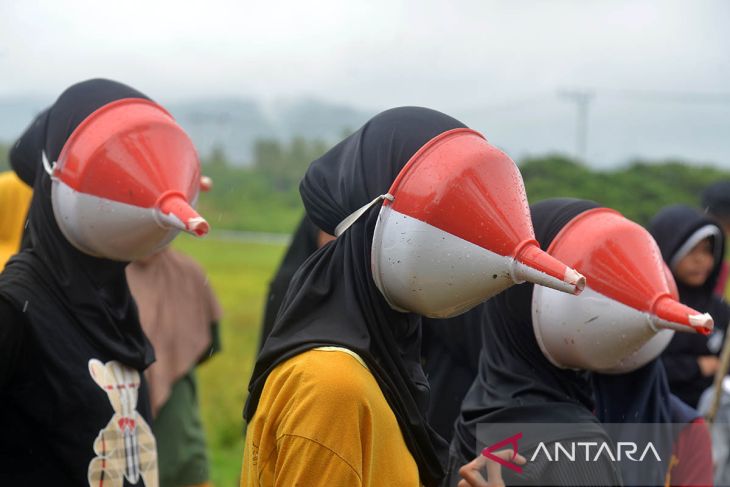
96 289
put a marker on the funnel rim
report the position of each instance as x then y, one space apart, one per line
375 255
579 217
547 324
537 330
103 110
416 157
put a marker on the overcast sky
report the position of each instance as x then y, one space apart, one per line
476 59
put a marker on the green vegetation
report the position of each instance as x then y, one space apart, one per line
265 196
239 273
4 164
638 190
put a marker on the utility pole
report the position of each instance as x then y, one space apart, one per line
582 100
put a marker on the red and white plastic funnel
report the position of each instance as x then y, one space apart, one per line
629 311
126 181
455 229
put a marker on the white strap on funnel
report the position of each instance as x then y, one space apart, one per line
48 166
354 216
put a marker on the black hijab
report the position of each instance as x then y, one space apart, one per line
93 289
333 300
643 396
450 355
516 383
449 349
640 396
671 228
716 199
303 244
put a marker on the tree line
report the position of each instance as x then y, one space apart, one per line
264 196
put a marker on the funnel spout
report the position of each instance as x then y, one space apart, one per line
534 265
174 211
673 315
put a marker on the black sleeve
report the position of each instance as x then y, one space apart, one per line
11 340
681 367
25 154
680 358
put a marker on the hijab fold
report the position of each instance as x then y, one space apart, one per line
304 243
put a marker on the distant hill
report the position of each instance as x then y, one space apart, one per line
232 124
618 130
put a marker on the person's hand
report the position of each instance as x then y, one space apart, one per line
471 473
708 364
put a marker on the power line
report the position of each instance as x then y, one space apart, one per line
582 100
509 105
670 96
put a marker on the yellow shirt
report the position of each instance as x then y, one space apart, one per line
14 201
323 420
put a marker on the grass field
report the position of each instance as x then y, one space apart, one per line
239 273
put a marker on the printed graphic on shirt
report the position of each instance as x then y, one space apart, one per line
126 447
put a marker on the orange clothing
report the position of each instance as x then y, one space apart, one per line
323 420
14 201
